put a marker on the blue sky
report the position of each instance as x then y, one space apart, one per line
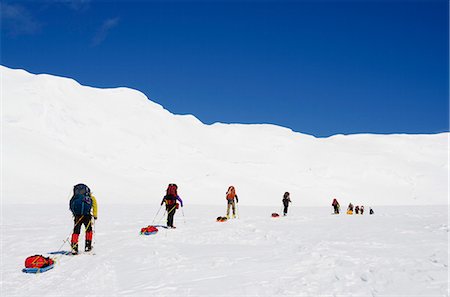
317 67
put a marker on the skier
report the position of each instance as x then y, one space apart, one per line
336 206
286 200
84 207
361 209
171 203
230 195
371 211
356 209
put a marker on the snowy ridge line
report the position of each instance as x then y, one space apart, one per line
58 133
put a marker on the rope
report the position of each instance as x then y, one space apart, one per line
56 258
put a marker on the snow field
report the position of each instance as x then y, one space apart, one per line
397 251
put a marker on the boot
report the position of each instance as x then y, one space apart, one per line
88 246
74 246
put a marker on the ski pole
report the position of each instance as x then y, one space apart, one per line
184 219
65 241
157 214
237 210
93 232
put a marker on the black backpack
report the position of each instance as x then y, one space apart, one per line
81 202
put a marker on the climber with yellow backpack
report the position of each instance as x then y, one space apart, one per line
230 196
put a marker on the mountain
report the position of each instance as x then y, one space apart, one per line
56 133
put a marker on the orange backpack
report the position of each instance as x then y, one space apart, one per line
231 193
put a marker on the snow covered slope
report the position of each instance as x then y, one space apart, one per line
57 133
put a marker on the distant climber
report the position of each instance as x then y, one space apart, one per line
350 209
336 206
286 200
230 196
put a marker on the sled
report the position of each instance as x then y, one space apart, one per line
149 230
69 253
162 226
221 219
275 215
349 212
61 253
149 233
38 270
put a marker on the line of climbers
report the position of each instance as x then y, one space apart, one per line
357 209
84 208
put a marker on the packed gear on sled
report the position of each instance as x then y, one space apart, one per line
38 264
275 215
149 230
38 261
336 206
230 197
170 199
286 200
221 219
84 207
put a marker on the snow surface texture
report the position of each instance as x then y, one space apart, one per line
399 251
57 133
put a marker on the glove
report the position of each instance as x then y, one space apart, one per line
95 218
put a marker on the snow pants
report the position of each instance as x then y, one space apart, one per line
286 205
170 213
336 209
232 205
78 221
82 220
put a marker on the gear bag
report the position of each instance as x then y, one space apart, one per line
38 261
81 202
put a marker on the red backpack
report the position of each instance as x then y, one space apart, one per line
172 190
171 194
38 261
